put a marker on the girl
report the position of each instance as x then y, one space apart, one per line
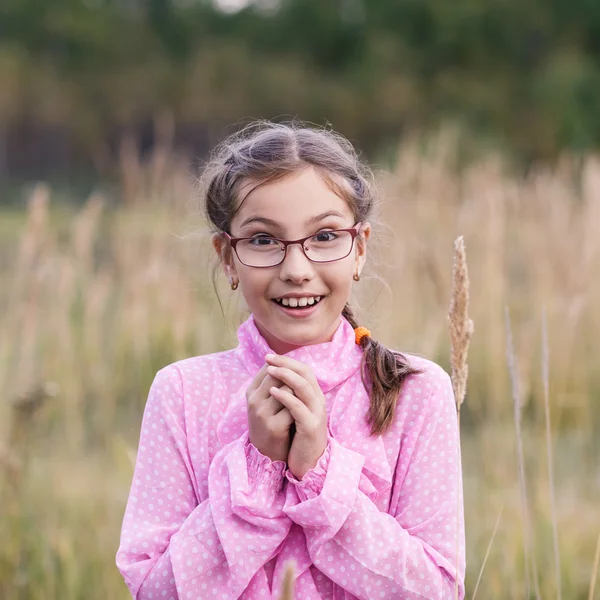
308 441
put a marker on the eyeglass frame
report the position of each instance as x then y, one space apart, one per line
354 232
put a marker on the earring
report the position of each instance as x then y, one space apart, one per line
234 284
356 276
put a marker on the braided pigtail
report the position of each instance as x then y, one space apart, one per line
386 370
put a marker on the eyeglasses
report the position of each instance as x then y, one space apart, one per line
322 247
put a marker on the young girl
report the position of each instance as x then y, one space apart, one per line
309 441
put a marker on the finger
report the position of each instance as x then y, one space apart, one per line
278 406
301 368
261 391
258 379
282 419
297 408
263 402
270 406
302 388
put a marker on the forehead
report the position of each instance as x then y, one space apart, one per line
291 201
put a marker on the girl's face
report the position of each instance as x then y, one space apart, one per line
296 206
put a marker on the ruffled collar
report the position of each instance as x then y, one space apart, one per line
332 362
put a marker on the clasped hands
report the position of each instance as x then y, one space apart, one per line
285 392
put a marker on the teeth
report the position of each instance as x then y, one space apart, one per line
299 302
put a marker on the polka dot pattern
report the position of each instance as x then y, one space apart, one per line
208 516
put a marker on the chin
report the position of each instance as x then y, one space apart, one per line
297 333
304 334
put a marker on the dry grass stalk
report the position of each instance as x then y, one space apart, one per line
10 464
461 329
24 408
546 382
13 464
14 453
487 552
460 325
287 589
530 563
595 569
84 231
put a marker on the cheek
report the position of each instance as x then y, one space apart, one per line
339 280
344 270
254 281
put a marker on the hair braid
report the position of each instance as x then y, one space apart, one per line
384 372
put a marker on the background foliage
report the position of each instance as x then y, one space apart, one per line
76 74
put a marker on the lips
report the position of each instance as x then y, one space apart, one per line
299 312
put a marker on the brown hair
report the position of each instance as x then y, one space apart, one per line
264 151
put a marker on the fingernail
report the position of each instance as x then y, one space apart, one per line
270 356
271 368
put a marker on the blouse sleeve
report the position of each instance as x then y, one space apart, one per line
409 554
172 545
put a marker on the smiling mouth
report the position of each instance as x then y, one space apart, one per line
290 302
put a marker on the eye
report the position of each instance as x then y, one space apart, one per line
325 236
262 240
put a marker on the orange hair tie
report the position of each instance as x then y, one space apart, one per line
360 333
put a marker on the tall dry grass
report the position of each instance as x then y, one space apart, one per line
461 329
93 302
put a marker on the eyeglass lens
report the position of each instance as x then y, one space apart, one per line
325 246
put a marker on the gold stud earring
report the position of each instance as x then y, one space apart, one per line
234 285
356 276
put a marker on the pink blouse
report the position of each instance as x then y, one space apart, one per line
209 516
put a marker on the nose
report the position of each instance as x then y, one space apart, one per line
295 266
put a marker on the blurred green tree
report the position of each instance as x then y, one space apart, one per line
524 73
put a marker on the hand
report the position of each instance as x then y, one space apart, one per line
306 404
269 421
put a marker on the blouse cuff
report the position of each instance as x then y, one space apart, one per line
325 501
255 481
265 476
311 485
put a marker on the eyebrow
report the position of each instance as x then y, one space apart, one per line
311 221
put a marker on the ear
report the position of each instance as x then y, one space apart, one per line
361 246
223 250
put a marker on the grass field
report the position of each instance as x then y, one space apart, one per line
93 301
